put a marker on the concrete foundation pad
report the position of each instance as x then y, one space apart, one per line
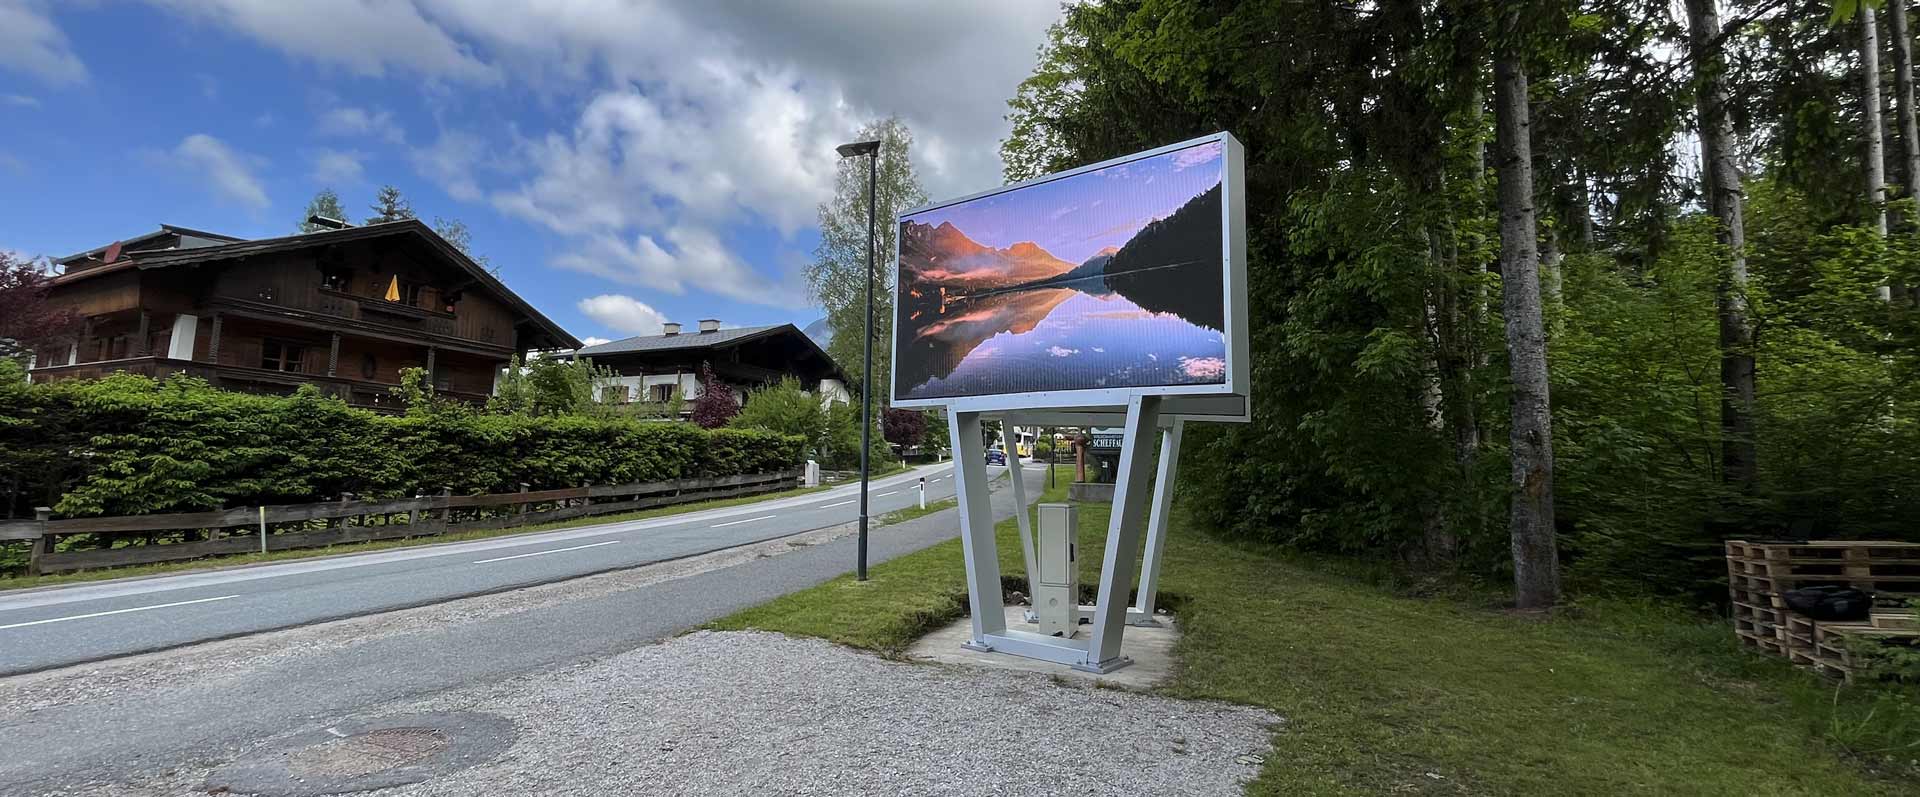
1151 649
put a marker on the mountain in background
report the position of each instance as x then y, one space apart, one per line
821 332
1174 265
944 256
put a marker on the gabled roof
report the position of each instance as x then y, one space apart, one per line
684 340
134 242
694 341
148 260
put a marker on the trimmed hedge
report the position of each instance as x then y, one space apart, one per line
131 445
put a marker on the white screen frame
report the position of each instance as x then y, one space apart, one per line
1224 401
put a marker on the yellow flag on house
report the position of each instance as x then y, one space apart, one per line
393 289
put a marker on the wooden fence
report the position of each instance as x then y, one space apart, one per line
347 520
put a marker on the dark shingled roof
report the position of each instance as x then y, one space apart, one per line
172 257
720 338
684 340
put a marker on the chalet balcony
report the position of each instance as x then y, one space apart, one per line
363 393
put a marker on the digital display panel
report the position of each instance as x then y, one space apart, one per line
1111 278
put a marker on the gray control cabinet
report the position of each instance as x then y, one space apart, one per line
1056 584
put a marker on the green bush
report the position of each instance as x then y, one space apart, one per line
131 445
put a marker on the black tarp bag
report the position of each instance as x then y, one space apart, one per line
1830 604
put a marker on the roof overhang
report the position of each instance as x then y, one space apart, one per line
148 261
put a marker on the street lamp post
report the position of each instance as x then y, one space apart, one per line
871 149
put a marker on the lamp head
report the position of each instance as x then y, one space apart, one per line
858 148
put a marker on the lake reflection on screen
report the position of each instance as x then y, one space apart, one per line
1056 338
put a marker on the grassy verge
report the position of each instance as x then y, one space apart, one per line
165 568
1389 693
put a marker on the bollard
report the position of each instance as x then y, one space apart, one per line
43 544
923 492
263 529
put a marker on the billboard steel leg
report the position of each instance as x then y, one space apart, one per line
976 529
1123 536
1163 479
1020 500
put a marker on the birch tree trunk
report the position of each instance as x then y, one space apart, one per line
1536 563
1871 125
1725 190
1903 94
1903 89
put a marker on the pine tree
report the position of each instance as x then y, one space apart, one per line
390 205
325 204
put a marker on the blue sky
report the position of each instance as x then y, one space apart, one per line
622 162
1073 218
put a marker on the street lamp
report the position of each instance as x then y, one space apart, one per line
871 149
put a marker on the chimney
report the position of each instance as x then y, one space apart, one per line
709 325
671 328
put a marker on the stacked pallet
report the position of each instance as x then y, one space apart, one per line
1759 574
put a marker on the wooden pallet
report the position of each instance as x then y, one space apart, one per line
1759 574
1878 567
1830 652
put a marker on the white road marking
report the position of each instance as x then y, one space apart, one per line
544 553
116 611
738 522
883 495
830 506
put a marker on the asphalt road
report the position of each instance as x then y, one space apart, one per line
134 720
74 624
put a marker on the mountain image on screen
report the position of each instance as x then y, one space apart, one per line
981 319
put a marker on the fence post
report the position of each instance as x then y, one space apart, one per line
446 515
588 498
413 515
346 498
43 544
520 507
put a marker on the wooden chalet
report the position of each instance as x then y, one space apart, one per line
345 310
659 368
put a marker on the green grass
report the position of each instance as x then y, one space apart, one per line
236 560
1380 689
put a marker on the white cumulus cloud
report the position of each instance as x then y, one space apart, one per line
338 167
30 42
683 118
227 171
621 313
367 37
350 121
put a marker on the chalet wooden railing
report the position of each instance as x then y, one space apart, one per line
290 526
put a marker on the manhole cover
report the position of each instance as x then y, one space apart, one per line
361 755
367 753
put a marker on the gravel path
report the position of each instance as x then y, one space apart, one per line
759 713
740 713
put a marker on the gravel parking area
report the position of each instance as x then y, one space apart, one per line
759 713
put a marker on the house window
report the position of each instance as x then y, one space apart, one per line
615 394
368 366
279 355
334 280
661 393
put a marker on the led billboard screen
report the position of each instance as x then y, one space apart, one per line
1111 278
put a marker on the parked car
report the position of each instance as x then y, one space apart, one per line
996 457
